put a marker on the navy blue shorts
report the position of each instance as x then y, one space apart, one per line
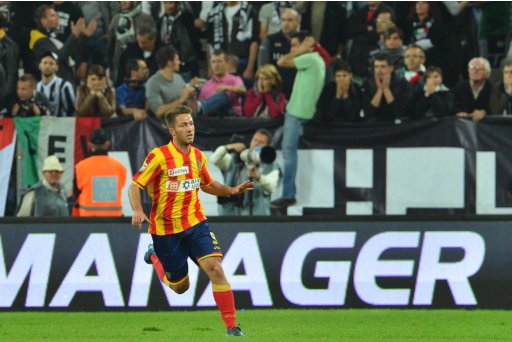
173 250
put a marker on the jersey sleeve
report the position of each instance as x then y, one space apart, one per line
148 171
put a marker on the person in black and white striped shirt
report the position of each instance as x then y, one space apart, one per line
59 92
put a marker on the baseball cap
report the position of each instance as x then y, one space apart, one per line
51 54
99 136
51 163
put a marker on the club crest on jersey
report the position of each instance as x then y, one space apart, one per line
199 164
177 171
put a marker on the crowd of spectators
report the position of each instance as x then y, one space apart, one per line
367 61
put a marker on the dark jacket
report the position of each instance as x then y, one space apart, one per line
134 51
9 62
464 100
439 104
386 112
501 102
331 109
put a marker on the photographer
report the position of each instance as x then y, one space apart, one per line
29 101
229 158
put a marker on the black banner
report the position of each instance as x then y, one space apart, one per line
354 264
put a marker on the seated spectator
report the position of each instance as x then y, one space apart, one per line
473 96
393 47
166 88
95 97
501 94
385 95
414 68
176 28
47 197
222 94
131 95
385 20
265 177
431 98
9 63
122 32
144 47
265 99
29 102
99 180
59 92
341 99
233 62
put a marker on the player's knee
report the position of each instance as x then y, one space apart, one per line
180 289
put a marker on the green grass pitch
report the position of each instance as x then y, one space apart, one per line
261 325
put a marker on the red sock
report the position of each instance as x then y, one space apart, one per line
226 302
159 269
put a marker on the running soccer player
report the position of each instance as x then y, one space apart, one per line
173 175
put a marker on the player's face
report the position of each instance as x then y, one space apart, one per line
184 130
48 66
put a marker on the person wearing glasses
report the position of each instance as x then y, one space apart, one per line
472 96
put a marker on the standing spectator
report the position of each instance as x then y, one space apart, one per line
9 62
176 28
326 21
501 94
433 98
131 95
29 102
265 99
385 21
361 27
145 48
277 45
95 97
301 108
59 92
385 95
47 197
341 99
436 37
233 26
473 96
269 15
222 94
166 88
44 39
99 180
393 47
122 32
264 176
414 68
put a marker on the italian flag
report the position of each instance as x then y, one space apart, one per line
40 137
7 147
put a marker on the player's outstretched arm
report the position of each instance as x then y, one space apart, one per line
138 214
218 189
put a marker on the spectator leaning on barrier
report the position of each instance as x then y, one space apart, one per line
47 197
99 180
131 95
473 96
59 92
265 99
431 98
29 102
307 87
277 45
341 99
501 94
95 97
166 88
385 96
235 170
222 94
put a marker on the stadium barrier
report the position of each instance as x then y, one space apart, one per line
95 265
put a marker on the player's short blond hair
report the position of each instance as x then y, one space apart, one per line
170 116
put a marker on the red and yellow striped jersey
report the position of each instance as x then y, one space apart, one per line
173 179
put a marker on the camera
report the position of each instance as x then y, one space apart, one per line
258 155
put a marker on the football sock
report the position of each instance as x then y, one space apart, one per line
160 270
226 302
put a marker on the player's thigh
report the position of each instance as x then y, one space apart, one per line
172 251
203 243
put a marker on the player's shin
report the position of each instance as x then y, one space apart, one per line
223 296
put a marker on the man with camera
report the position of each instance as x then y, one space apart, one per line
29 102
239 163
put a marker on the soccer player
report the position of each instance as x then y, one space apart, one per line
173 174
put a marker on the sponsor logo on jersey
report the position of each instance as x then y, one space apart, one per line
177 171
184 185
